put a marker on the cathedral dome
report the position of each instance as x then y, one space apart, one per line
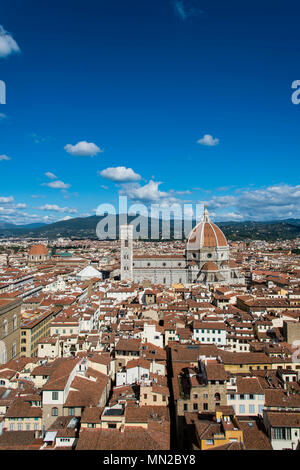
38 250
206 235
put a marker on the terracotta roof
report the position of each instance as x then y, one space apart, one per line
232 264
209 266
215 372
142 414
60 374
19 440
246 385
38 250
284 419
87 392
92 415
134 438
22 409
254 437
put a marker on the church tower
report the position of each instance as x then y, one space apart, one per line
126 236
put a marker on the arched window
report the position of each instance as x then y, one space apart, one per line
54 411
4 356
14 322
217 397
5 328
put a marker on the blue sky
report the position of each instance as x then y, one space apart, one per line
163 101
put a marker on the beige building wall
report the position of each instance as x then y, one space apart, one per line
291 331
10 315
149 398
48 418
203 396
23 424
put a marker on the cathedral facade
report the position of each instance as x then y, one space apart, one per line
205 260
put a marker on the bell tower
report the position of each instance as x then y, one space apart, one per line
126 236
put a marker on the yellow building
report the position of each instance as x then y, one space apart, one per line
33 329
22 416
222 429
240 362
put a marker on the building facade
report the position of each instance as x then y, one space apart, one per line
10 315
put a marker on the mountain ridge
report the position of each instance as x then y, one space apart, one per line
85 227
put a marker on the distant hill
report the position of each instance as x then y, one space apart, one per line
6 225
85 227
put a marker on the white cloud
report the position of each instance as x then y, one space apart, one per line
277 201
7 44
4 210
4 157
280 201
57 185
38 139
186 8
55 208
208 140
9 211
50 175
179 9
228 216
120 174
6 200
37 196
2 116
180 193
18 217
83 149
218 202
147 193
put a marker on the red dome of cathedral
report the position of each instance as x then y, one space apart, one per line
38 250
206 235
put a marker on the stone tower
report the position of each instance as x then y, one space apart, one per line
126 237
